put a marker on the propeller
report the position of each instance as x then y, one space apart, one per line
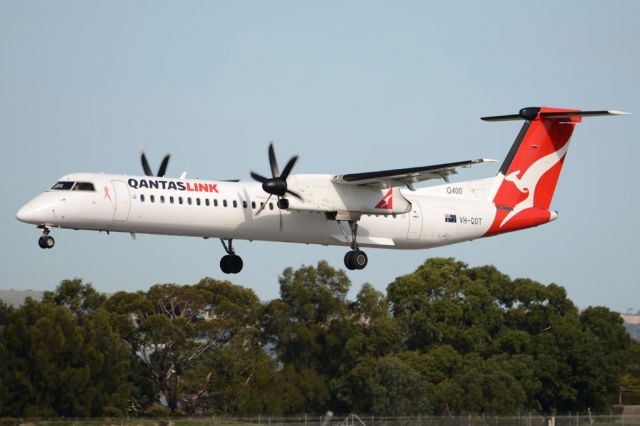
277 184
163 166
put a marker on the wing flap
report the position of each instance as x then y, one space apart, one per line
408 176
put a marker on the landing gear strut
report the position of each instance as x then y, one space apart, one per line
230 263
46 241
356 258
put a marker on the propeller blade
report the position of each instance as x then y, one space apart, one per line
262 207
275 171
145 165
295 194
163 166
258 177
288 167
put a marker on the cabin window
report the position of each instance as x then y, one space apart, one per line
152 198
198 201
162 198
253 204
62 186
142 197
206 201
215 202
83 186
244 204
171 199
189 200
270 206
224 203
235 203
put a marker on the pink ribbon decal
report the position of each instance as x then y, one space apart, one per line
106 193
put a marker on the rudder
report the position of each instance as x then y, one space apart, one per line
529 174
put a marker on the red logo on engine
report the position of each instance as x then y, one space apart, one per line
387 201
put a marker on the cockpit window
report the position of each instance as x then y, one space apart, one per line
62 185
83 186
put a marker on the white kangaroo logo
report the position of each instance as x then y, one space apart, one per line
529 181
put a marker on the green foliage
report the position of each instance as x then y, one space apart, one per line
384 385
79 298
61 366
446 339
631 378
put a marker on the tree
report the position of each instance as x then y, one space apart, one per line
427 303
608 362
60 367
79 298
240 378
631 377
311 324
107 356
375 333
171 328
448 339
5 315
173 339
382 386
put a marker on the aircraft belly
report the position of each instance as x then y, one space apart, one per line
298 227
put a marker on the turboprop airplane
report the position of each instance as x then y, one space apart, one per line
372 209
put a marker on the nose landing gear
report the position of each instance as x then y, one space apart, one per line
230 263
46 241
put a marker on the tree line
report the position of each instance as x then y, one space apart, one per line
446 339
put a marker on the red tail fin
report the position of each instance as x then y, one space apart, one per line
529 174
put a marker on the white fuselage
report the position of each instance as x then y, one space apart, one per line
229 210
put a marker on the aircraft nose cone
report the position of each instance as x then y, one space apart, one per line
25 214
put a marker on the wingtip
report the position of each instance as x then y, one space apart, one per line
614 112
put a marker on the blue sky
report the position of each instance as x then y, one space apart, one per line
349 86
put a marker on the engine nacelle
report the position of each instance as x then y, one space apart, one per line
319 193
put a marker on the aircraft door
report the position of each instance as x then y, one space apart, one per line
415 221
123 201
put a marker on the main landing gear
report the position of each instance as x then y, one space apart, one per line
356 258
46 241
230 263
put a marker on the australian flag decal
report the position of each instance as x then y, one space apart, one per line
451 218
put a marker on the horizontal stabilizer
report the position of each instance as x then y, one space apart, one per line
532 113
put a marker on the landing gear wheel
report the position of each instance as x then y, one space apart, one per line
46 242
231 264
236 264
348 262
355 259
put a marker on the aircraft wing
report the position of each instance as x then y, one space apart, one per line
409 176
